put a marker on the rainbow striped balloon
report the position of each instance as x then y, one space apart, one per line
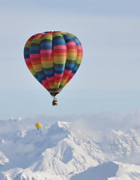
53 58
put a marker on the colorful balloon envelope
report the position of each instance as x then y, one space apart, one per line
53 58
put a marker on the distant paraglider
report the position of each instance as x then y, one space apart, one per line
53 58
38 125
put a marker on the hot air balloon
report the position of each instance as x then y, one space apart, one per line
53 58
38 125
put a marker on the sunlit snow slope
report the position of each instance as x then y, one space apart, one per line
58 152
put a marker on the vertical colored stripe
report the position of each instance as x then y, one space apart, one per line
59 57
53 58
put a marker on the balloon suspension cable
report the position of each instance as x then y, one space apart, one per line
55 102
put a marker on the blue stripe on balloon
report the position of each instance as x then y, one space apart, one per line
45 45
58 41
49 73
39 79
58 72
34 51
26 56
70 65
41 76
75 69
26 53
59 68
78 43
34 48
68 38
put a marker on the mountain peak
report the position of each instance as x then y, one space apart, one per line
59 127
58 152
64 125
15 119
3 159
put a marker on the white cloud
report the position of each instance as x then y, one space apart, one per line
106 121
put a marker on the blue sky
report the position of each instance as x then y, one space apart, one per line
109 76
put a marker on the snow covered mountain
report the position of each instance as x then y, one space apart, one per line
62 152
110 171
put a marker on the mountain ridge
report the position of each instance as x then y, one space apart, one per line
57 152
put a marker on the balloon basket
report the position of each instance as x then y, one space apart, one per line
55 102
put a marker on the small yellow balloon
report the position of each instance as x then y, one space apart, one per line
38 125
